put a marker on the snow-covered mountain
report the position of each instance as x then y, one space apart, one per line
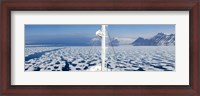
125 41
160 39
120 41
95 41
112 41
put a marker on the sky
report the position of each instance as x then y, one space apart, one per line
82 34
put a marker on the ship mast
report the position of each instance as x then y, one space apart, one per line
102 33
103 28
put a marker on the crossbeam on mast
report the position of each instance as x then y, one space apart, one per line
103 34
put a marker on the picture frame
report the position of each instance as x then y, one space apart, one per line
100 5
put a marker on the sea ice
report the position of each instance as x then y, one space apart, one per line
85 58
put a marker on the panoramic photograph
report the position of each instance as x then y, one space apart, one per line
100 47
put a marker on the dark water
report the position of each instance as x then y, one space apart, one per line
37 55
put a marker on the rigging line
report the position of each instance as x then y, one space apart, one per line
111 43
112 48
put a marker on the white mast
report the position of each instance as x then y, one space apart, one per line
102 33
103 44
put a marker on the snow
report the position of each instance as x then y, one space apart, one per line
160 39
88 58
147 58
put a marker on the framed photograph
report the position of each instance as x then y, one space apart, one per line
121 47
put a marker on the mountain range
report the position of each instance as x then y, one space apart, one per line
160 39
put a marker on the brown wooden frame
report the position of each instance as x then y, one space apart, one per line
193 89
